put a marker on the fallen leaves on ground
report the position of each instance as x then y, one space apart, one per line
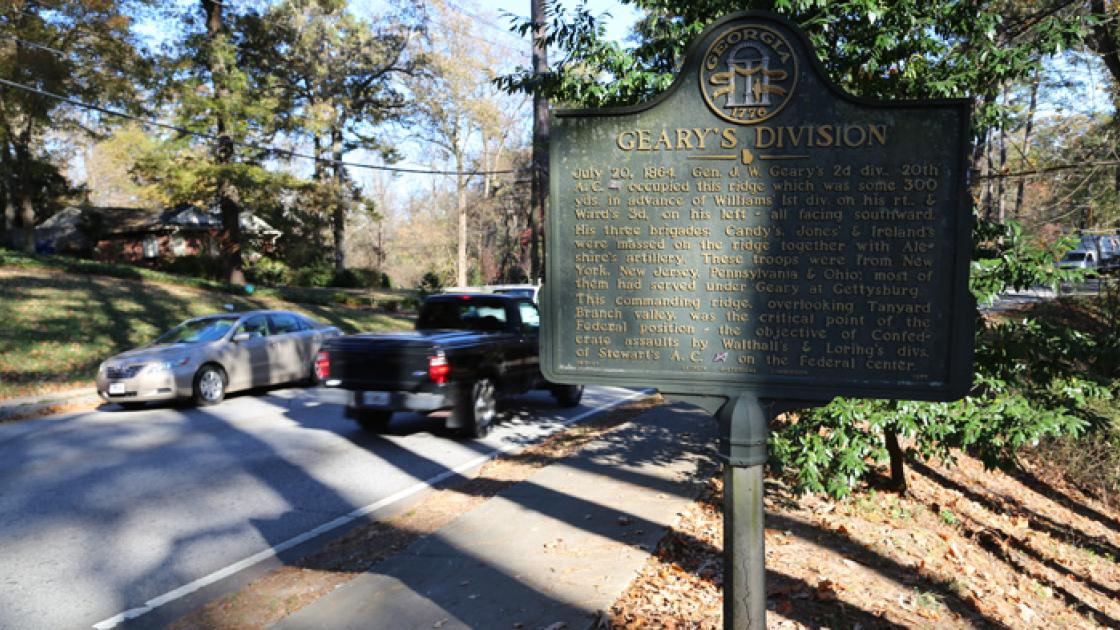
965 548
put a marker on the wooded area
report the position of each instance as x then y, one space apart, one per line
297 111
280 108
294 111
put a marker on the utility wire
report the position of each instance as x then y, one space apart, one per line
482 39
1050 169
248 145
24 42
481 20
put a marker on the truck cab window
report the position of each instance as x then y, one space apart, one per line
465 315
530 317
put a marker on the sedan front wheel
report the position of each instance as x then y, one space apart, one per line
209 386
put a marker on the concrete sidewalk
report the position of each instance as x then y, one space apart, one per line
551 552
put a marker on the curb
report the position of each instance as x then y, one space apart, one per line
44 404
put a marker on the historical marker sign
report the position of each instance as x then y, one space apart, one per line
756 229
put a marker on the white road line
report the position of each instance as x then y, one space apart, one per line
221 574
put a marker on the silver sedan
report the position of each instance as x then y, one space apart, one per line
206 357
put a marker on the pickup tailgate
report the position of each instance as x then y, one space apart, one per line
389 361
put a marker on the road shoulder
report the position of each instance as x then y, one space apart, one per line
559 547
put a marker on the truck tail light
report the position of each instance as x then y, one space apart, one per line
438 369
323 365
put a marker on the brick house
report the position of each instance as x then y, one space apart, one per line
140 235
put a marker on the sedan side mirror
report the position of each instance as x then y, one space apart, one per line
242 336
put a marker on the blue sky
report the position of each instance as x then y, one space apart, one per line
489 22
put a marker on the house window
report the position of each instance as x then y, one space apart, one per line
151 247
178 245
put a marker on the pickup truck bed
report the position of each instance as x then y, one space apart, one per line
467 351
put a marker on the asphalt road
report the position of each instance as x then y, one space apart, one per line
124 517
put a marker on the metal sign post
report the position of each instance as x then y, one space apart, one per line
744 423
744 426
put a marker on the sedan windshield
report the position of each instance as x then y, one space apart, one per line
198 330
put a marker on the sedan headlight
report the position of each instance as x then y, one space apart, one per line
165 366
156 368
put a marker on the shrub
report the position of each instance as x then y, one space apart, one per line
268 272
1091 462
429 284
314 275
357 278
346 299
194 265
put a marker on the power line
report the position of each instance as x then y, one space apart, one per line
483 21
1050 169
56 51
510 49
248 145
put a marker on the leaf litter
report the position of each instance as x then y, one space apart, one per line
965 548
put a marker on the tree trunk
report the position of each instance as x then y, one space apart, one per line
989 171
341 203
461 214
1031 109
980 165
898 462
27 225
381 246
487 178
7 218
539 193
24 234
1002 208
8 222
231 224
1104 40
226 192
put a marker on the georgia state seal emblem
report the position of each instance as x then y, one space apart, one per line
748 74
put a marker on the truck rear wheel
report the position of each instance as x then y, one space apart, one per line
477 408
567 395
375 421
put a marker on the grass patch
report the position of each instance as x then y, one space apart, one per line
58 323
390 300
1090 462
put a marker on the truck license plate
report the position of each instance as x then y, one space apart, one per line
116 388
375 398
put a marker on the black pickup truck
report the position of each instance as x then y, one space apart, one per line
468 350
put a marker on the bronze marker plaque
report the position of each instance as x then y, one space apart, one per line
755 228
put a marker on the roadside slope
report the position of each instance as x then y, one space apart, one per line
966 548
58 326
